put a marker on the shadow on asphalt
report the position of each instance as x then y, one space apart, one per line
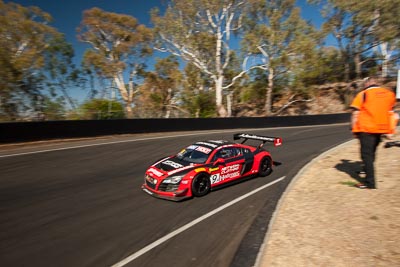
351 168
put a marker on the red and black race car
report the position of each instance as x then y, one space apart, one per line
204 165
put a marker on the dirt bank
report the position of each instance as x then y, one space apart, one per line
324 221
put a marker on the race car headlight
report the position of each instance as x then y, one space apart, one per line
173 179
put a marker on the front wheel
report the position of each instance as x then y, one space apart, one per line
265 167
201 185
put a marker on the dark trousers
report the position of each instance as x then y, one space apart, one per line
369 142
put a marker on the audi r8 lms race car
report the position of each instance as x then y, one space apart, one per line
204 165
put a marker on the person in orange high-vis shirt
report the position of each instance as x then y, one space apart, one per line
372 117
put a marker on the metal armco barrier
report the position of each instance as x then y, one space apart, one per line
11 132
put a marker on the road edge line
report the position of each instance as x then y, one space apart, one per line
183 228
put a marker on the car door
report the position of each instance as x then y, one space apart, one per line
229 162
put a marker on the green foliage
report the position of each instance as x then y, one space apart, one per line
204 105
276 31
119 45
102 109
254 90
196 96
28 48
53 110
349 183
37 70
200 104
201 33
159 90
360 27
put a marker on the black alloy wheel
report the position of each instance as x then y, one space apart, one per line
265 167
201 185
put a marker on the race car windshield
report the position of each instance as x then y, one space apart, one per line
193 154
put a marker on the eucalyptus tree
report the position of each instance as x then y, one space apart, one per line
196 95
60 71
362 27
119 47
26 42
385 30
101 109
204 33
277 32
159 91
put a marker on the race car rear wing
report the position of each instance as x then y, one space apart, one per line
276 140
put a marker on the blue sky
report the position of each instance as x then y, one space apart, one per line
67 15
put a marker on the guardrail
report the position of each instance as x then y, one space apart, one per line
11 132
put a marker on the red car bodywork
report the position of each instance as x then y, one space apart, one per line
205 165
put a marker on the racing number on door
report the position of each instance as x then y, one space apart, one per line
228 172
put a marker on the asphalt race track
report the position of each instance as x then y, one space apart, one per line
81 204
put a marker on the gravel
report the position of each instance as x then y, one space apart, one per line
323 220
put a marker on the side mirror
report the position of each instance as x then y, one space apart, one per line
219 162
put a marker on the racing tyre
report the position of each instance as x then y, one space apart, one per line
201 185
265 167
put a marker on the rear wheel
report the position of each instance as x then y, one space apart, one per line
265 167
201 185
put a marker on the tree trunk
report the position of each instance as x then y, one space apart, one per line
168 104
268 94
229 104
219 81
386 58
357 63
129 110
218 97
126 96
346 71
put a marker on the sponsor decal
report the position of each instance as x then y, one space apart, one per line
228 172
151 180
155 172
218 141
147 191
213 169
173 164
200 170
207 144
216 178
159 161
192 147
278 141
229 169
178 170
203 149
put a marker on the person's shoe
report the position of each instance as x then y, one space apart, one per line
361 186
364 186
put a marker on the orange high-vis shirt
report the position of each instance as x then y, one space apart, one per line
375 105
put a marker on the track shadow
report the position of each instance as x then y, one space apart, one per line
351 168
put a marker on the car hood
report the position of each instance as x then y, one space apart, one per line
171 165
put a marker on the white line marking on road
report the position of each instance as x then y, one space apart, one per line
189 225
154 138
100 144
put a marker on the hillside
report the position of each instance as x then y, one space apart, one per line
324 99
